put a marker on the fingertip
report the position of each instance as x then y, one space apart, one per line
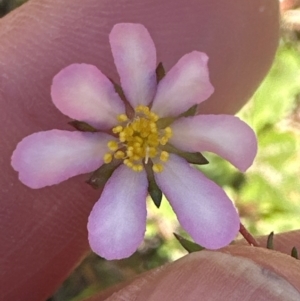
247 273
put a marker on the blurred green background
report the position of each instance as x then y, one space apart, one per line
267 196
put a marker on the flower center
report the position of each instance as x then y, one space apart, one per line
140 141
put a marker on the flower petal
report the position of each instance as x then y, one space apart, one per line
225 135
84 93
202 207
135 58
117 222
48 158
185 85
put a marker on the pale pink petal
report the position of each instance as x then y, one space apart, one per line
48 158
202 207
135 58
117 222
185 85
224 135
84 93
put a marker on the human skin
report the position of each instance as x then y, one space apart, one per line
43 232
237 272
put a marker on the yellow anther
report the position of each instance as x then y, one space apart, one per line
153 116
136 125
153 131
119 155
122 137
138 167
157 167
153 125
145 109
152 152
163 140
128 163
144 134
129 153
122 118
117 129
164 156
153 137
136 145
107 158
139 108
168 132
139 140
136 158
113 145
128 131
144 123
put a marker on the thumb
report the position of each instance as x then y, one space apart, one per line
233 273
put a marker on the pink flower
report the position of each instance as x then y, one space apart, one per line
138 139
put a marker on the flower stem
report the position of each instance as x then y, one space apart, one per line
249 238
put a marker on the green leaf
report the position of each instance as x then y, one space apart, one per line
277 148
82 126
276 96
188 245
270 242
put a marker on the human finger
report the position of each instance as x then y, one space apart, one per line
43 232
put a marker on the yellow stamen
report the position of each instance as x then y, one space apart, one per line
153 116
138 167
157 167
139 141
163 140
119 155
164 156
107 158
117 129
122 118
113 145
168 132
128 163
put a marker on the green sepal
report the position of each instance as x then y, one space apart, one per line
188 245
160 72
82 126
153 189
193 158
128 109
155 193
164 122
270 241
294 253
190 112
100 176
118 89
